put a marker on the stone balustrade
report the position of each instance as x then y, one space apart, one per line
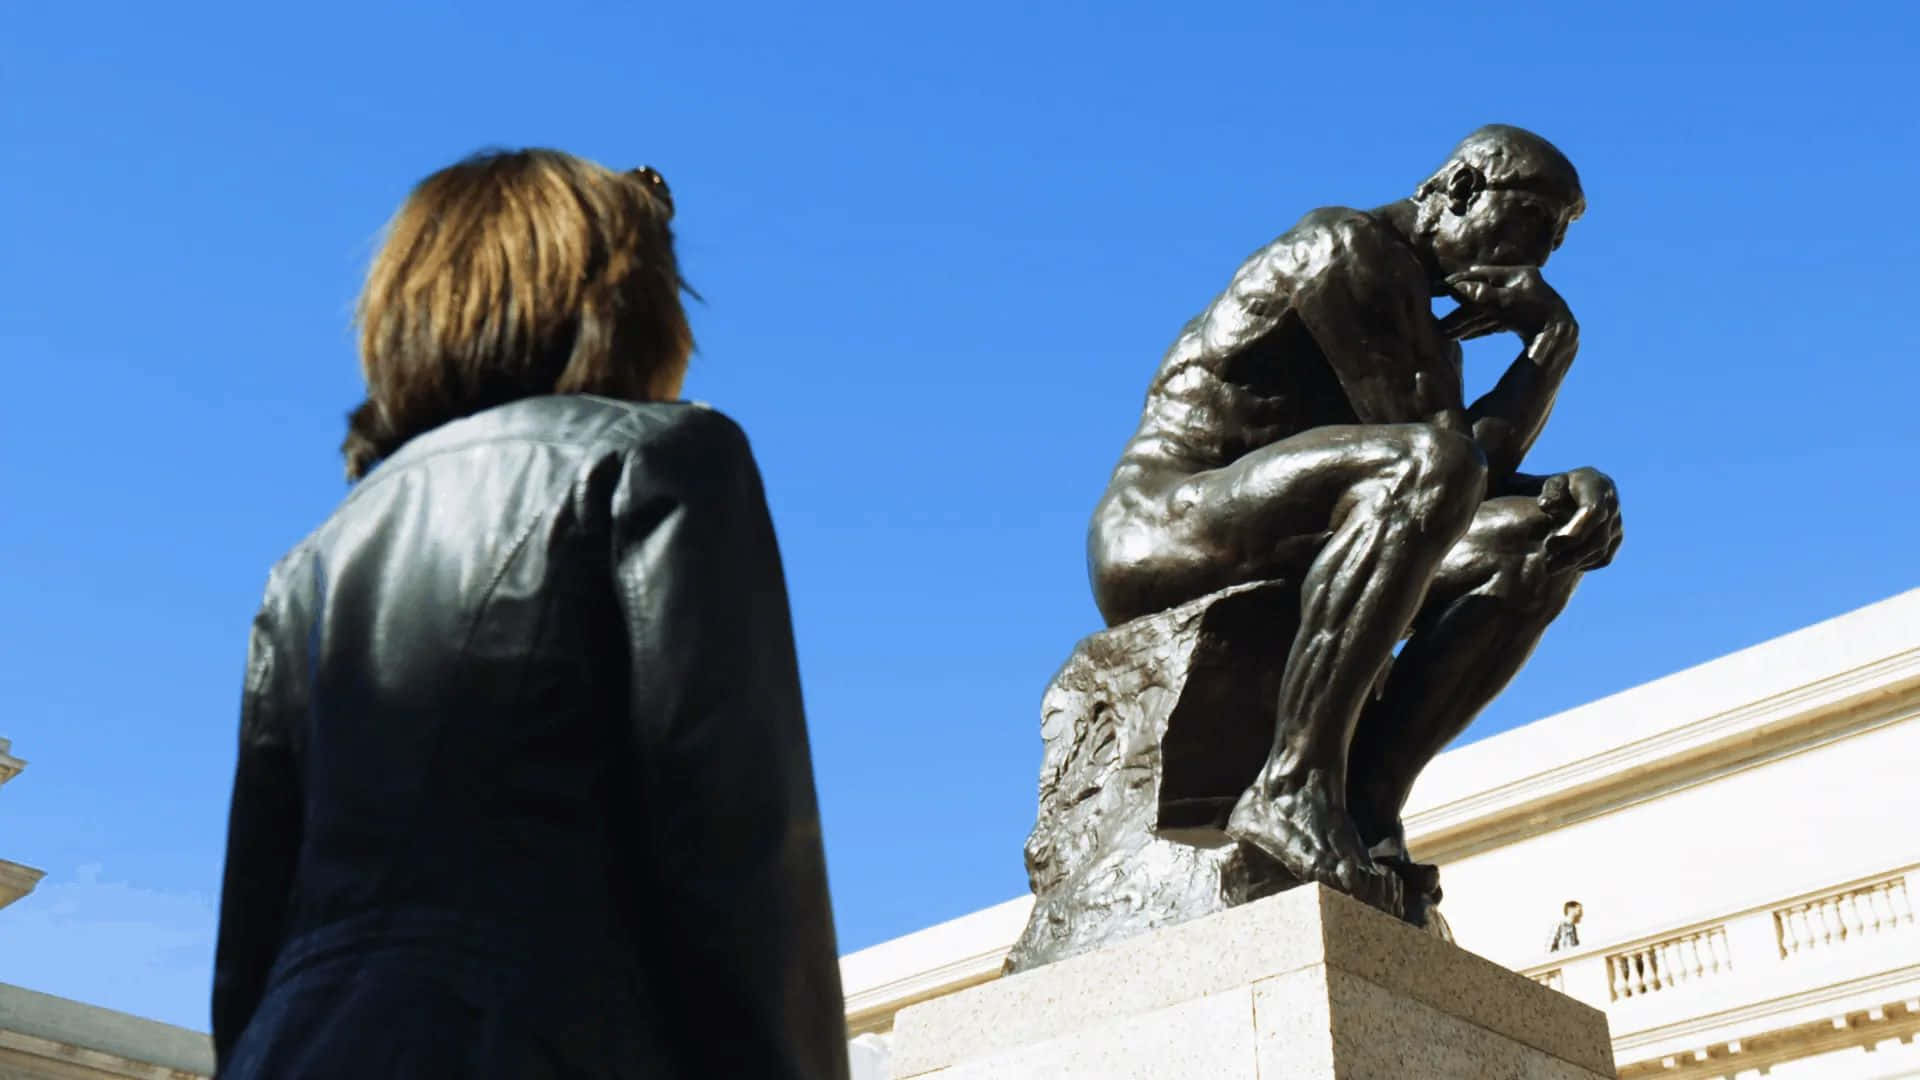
1668 963
1682 997
1844 918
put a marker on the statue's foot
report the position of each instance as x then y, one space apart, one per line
1420 880
1435 923
1300 827
1422 884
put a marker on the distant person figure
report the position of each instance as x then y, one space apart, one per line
1567 934
524 787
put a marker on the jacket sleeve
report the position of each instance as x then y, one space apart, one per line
263 837
732 854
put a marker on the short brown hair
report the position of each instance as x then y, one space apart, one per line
512 274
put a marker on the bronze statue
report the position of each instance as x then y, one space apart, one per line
1311 427
1311 423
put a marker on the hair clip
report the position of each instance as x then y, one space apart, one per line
657 183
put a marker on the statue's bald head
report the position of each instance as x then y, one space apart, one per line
1504 197
1507 157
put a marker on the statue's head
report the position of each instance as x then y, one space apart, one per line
1572 911
1504 197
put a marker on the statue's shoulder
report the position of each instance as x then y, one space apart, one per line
1335 221
1335 236
1345 229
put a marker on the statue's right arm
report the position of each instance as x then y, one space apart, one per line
1508 418
1364 297
723 800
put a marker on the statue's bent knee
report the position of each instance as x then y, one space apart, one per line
1444 478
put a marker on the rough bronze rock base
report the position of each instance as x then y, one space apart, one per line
1152 730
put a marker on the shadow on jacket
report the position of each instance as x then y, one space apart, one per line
523 786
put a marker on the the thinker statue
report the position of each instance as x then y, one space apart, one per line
1310 428
1311 425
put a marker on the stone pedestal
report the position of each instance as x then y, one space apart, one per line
1306 984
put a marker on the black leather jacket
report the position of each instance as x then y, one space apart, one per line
523 771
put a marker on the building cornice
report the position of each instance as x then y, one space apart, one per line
17 881
59 1030
1751 1058
1824 1003
1770 701
10 766
888 977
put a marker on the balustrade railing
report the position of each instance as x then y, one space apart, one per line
1812 939
1666 964
1842 917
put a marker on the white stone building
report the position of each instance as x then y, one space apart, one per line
16 881
48 1038
1739 835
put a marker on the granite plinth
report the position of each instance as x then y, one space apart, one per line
1306 984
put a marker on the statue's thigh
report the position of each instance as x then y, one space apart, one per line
1287 495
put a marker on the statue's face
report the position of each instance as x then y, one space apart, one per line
1500 227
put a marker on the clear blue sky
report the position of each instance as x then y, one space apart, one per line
943 248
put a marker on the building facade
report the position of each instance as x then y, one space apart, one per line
43 1037
1736 835
16 881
